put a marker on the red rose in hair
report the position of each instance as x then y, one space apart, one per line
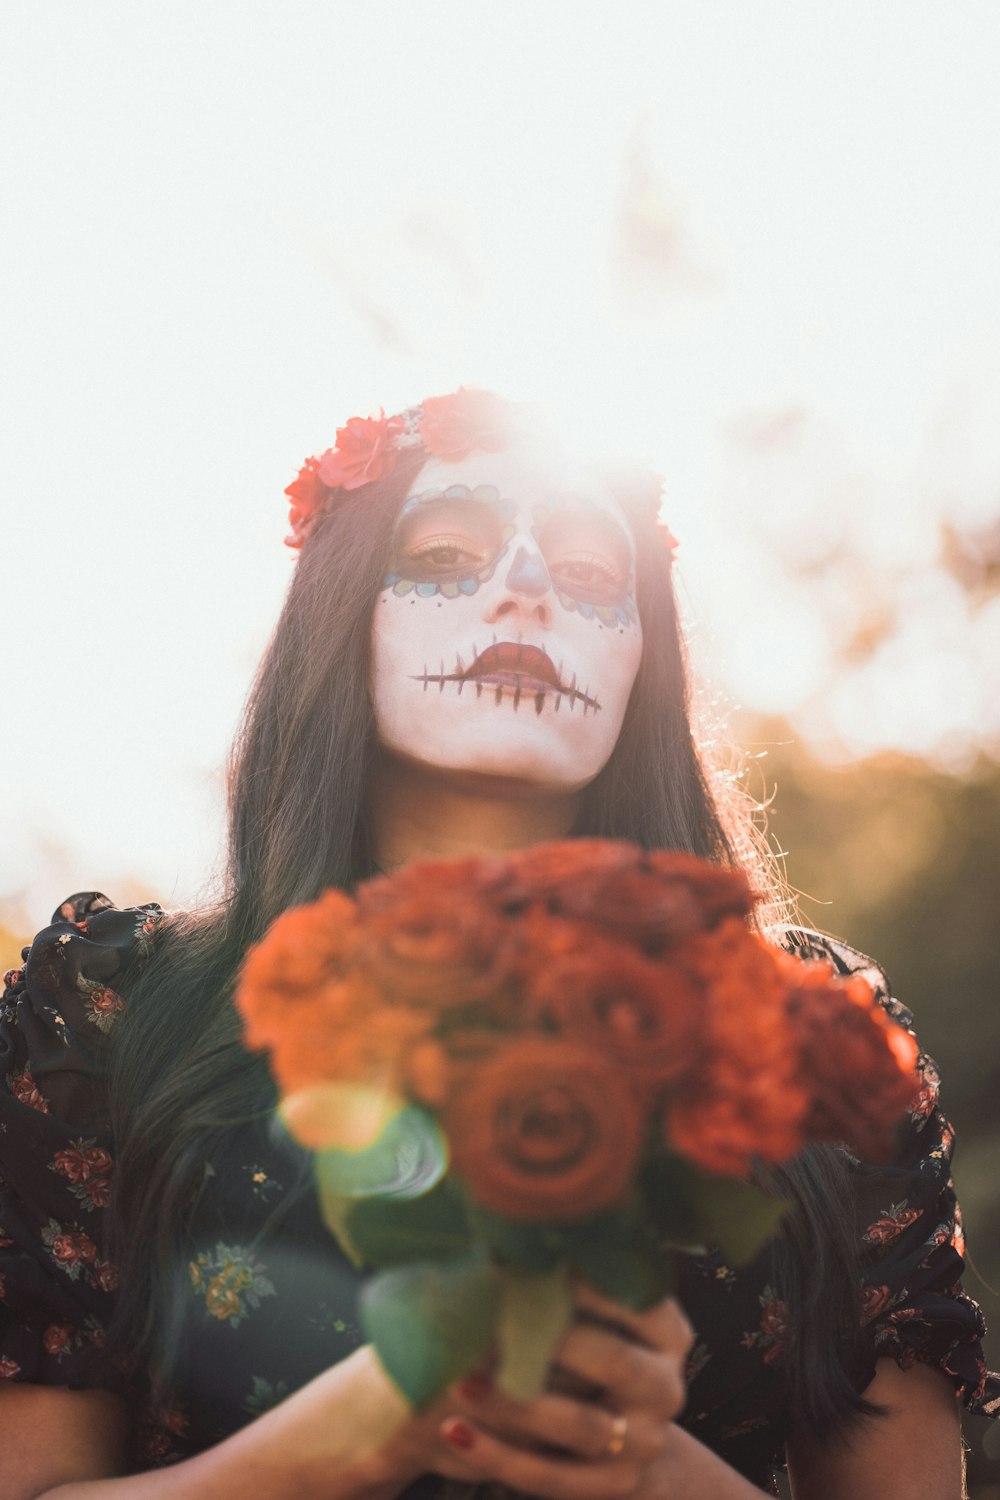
363 452
307 493
452 426
547 1130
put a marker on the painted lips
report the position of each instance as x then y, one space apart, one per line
524 671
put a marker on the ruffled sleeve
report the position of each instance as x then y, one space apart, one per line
910 1227
57 1286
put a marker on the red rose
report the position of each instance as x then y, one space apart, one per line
26 1091
105 1001
889 1228
363 452
873 1299
453 426
546 1130
8 1368
643 1015
307 493
551 871
56 1337
105 1275
858 1062
64 1248
82 1166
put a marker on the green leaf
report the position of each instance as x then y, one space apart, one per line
632 1275
532 1247
670 1188
737 1216
393 1231
405 1161
430 1323
536 1309
358 1190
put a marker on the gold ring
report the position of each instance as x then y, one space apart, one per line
616 1442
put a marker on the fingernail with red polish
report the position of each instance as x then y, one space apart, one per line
458 1433
475 1387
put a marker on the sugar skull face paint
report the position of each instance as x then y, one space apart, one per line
506 638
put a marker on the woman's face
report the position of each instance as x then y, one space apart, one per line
506 638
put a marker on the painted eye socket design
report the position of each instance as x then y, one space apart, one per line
446 555
589 571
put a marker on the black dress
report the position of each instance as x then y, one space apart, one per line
267 1308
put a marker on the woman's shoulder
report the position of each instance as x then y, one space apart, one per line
61 1002
811 944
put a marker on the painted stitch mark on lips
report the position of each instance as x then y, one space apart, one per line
526 671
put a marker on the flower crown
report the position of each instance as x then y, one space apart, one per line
366 449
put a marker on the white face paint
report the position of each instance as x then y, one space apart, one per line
506 640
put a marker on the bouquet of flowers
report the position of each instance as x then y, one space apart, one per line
573 1059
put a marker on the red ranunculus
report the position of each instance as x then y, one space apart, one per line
362 453
454 426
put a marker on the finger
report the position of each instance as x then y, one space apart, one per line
632 1375
481 1455
662 1326
579 1428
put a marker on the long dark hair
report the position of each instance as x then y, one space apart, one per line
297 788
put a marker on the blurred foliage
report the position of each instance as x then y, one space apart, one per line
901 861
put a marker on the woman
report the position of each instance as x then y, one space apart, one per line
479 650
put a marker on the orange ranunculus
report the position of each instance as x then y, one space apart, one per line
453 426
363 452
643 1015
858 1063
749 1101
545 1130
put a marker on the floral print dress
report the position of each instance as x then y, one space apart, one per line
269 1302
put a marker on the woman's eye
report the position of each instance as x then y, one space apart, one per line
444 555
589 572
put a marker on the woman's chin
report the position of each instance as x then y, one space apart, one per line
511 763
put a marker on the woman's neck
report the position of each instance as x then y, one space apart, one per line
416 813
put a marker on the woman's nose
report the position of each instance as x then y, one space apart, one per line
526 588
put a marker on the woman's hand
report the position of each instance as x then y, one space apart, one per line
601 1430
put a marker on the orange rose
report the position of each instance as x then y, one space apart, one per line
547 1130
452 426
646 1016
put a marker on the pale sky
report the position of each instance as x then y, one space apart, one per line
754 244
